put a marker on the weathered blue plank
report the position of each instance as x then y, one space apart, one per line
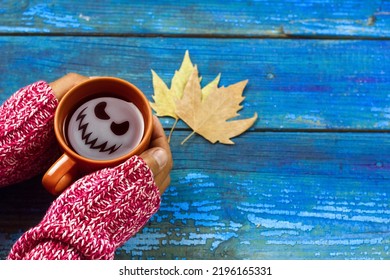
270 196
274 196
189 17
298 84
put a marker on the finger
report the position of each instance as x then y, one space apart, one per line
163 179
158 136
164 184
158 156
65 83
156 159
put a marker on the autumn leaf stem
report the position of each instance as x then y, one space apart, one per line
188 137
173 128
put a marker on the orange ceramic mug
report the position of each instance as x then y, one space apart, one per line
83 111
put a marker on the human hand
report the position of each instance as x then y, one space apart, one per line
130 199
65 83
158 157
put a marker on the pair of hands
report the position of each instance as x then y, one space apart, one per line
158 156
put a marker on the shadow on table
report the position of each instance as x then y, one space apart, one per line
23 205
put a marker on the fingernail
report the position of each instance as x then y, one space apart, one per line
161 157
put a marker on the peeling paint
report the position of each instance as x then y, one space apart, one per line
43 12
271 223
331 242
306 119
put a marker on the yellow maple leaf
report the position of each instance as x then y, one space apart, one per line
208 115
165 98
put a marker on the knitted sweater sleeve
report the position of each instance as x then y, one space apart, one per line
94 216
27 142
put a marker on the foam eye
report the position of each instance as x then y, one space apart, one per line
100 112
120 129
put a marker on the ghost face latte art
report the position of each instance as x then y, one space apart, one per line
105 128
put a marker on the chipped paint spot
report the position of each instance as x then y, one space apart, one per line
279 233
87 18
382 124
196 216
383 113
271 223
23 29
194 176
235 226
328 242
44 13
208 208
142 242
264 209
306 119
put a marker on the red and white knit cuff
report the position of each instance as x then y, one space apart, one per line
95 216
27 141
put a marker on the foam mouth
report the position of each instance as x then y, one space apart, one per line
92 143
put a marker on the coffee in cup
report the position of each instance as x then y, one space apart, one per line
99 123
104 128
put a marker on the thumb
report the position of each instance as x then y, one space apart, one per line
64 84
156 159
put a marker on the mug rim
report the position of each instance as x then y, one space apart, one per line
58 128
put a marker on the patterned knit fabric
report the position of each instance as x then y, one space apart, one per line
95 216
27 141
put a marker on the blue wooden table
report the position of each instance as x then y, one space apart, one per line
311 178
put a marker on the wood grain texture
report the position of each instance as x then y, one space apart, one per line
311 179
319 203
293 84
270 196
199 18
